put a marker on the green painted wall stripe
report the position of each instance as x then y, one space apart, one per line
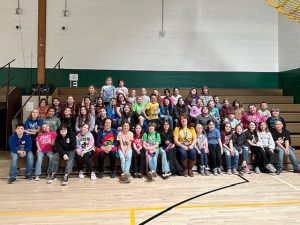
289 81
160 79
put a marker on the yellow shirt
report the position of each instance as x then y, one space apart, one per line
185 135
152 110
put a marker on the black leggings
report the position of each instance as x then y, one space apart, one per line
138 161
263 156
214 155
87 159
112 157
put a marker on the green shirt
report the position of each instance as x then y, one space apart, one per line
138 108
153 137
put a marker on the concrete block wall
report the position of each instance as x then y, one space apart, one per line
201 35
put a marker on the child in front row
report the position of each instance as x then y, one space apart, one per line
229 150
138 153
44 142
20 146
151 141
85 149
125 137
202 148
240 143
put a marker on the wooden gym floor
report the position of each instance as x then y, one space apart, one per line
265 199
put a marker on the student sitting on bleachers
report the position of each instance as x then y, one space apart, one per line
84 117
151 112
202 148
175 95
65 146
138 154
240 142
85 149
264 110
192 98
106 143
180 109
225 109
45 142
275 116
57 106
205 96
151 140
252 116
108 90
229 150
283 147
125 138
53 121
262 157
32 127
238 109
122 89
92 94
20 146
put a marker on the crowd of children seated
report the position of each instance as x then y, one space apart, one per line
138 129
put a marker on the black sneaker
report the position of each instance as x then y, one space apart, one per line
140 175
135 175
112 174
11 180
278 171
100 175
52 178
65 181
297 170
28 177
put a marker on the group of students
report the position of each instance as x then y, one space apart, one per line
139 129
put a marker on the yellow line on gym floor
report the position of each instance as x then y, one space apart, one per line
133 210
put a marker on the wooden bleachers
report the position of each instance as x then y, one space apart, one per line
274 97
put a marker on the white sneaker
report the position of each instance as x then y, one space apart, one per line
257 170
37 178
154 174
93 176
81 176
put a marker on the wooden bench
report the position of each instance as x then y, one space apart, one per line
183 91
293 127
282 106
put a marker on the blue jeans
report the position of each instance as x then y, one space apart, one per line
169 119
203 158
280 153
244 150
39 160
14 164
228 158
69 163
184 154
125 160
152 160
